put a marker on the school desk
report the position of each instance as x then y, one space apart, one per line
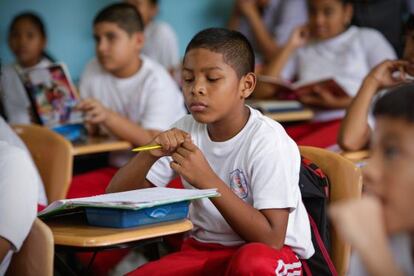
72 234
99 145
291 116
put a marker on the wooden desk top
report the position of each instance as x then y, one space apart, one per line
291 116
100 144
80 234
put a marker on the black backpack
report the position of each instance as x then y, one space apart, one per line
314 187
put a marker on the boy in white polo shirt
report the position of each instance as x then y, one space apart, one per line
227 145
125 95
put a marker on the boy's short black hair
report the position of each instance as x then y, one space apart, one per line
122 14
398 103
409 24
235 48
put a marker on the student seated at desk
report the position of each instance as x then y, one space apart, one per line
27 41
18 199
125 94
227 145
9 136
356 128
161 42
380 226
327 48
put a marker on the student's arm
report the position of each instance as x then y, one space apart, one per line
361 224
297 39
133 175
270 225
118 125
355 131
5 247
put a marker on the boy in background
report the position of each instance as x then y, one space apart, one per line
380 226
125 94
227 145
161 42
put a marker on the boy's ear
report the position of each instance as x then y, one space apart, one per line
247 84
349 12
139 39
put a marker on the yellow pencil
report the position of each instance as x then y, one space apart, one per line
147 147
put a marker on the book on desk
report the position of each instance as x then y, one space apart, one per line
131 208
53 98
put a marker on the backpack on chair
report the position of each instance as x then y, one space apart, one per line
314 187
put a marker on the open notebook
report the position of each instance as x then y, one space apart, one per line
130 200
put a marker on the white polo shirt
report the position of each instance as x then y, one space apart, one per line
260 165
18 198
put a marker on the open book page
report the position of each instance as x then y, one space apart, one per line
52 95
133 200
293 91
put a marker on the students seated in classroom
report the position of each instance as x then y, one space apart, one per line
267 23
18 199
27 41
161 42
380 226
326 48
125 94
7 135
356 128
227 145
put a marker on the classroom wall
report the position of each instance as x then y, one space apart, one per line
69 24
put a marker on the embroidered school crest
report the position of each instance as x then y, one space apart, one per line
238 183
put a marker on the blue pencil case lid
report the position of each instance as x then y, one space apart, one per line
123 218
72 132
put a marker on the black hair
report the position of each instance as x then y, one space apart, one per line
409 24
122 14
154 2
398 103
37 22
235 48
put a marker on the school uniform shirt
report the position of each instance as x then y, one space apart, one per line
9 136
400 246
18 198
149 98
14 96
280 18
260 165
161 44
347 58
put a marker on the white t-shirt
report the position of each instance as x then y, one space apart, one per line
18 198
149 98
261 165
14 96
347 58
9 136
280 18
161 44
401 250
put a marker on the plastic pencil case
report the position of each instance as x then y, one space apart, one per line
123 218
72 132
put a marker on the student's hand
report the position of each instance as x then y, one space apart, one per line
388 73
360 223
245 7
319 97
299 37
95 112
170 140
190 163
